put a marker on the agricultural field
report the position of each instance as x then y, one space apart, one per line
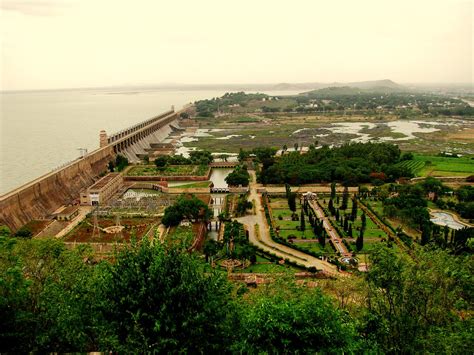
170 170
136 227
237 130
413 165
445 166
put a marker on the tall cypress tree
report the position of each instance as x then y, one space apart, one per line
302 222
345 198
360 240
354 209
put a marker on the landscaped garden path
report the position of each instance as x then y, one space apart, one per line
263 240
335 238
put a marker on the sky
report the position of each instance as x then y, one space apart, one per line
47 44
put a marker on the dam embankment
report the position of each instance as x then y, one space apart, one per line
39 198
42 196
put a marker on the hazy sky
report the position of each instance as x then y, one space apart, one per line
84 43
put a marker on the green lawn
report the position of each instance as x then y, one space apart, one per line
316 247
193 185
445 166
170 170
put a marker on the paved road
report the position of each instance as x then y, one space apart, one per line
264 241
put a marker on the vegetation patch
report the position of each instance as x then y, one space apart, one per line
169 170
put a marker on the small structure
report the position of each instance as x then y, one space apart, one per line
68 213
102 190
310 196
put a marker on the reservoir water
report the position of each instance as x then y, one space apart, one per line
41 130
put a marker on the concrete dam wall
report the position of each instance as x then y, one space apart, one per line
42 196
39 198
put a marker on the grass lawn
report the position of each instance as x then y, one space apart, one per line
316 247
193 185
170 170
266 268
445 166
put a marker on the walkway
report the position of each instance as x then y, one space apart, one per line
332 233
264 241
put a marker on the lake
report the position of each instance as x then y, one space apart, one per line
41 130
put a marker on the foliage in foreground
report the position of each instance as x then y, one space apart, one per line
157 299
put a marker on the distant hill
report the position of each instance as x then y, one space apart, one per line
374 84
379 86
385 85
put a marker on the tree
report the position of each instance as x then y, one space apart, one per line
23 232
345 198
283 318
360 240
292 201
111 166
322 238
426 233
5 231
161 300
47 297
186 207
333 190
121 162
239 176
331 207
161 161
363 220
243 205
201 157
414 303
354 209
211 248
243 154
302 222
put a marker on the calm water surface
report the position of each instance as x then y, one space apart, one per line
42 130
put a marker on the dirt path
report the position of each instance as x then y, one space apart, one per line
264 241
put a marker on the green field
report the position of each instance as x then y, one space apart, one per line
412 165
433 165
193 185
170 170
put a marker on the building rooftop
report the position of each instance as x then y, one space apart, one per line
104 181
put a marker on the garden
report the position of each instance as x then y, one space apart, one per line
168 170
350 228
105 233
289 226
